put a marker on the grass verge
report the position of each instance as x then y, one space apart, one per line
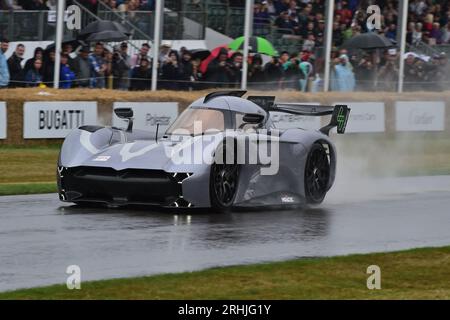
413 274
27 188
28 170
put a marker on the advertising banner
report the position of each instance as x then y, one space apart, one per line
420 115
148 114
55 119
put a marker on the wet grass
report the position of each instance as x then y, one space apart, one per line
27 188
412 274
26 170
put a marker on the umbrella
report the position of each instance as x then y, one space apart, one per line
68 40
369 40
107 36
214 53
200 54
257 45
100 26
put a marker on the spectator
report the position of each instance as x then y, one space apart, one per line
143 54
388 73
171 72
256 75
4 70
436 34
417 34
216 72
98 67
33 77
306 71
273 73
164 51
17 75
234 69
365 74
141 76
83 69
285 23
108 76
49 67
260 14
446 34
67 76
309 43
344 79
121 66
291 73
391 32
38 55
187 73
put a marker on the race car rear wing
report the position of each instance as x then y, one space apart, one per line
339 113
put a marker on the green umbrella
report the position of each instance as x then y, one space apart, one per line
257 45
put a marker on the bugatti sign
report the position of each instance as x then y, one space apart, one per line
148 114
56 119
420 115
2 120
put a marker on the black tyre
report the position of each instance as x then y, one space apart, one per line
317 174
223 182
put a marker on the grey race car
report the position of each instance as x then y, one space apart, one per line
202 160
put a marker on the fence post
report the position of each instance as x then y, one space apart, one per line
59 35
328 43
247 35
159 11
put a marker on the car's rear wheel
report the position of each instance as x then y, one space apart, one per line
224 181
317 174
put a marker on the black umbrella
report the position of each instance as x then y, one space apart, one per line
107 36
369 40
69 40
101 26
201 54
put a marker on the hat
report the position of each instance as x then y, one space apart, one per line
123 44
392 52
85 49
166 44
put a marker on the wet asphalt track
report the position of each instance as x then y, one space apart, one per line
40 236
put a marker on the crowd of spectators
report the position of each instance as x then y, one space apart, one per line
104 67
428 20
303 20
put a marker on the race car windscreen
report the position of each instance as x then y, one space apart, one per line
197 121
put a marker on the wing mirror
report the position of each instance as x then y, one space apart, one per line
127 114
253 118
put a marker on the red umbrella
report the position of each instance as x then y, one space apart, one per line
214 53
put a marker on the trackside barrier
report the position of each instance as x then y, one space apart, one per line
48 120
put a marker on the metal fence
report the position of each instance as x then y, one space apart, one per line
41 26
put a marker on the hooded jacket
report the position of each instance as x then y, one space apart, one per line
4 71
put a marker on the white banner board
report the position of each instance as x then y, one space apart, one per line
55 119
365 117
147 115
284 120
3 123
420 115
